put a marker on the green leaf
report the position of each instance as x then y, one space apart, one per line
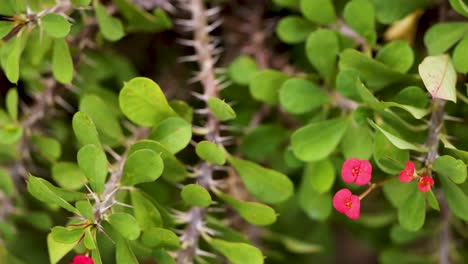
139 20
391 11
375 74
142 166
345 84
89 240
261 142
142 101
86 210
159 237
66 235
456 198
398 55
183 109
12 66
211 152
396 141
399 235
265 184
111 27
254 213
317 140
447 166
49 148
319 11
5 28
357 142
442 36
242 69
264 85
460 57
6 183
432 200
125 224
299 96
174 170
460 6
238 253
68 175
321 175
389 158
360 15
397 193
57 250
195 195
93 163
45 192
85 130
106 121
221 109
173 133
11 103
55 25
124 253
294 29
439 77
412 213
81 3
62 63
145 212
317 206
162 257
322 49
10 133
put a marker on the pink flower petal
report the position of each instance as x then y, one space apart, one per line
339 200
366 173
425 183
355 210
347 170
82 259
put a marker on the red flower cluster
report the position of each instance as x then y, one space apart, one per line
353 171
82 259
408 174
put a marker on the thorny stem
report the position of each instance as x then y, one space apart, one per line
204 51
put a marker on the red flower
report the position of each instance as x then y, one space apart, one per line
425 183
407 174
82 259
347 203
356 171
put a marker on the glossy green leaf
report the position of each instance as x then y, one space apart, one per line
140 20
299 96
397 193
145 211
81 3
265 184
68 175
389 158
398 55
447 166
320 175
6 183
89 240
242 69
456 198
195 195
45 192
317 140
319 11
262 141
442 36
432 200
460 6
238 253
264 85
142 166
66 235
85 130
93 163
124 253
111 27
86 210
391 11
221 109
294 29
162 257
439 77
62 63
173 133
5 28
317 206
322 49
254 213
397 141
460 57
49 148
211 152
12 66
57 250
11 103
159 237
105 120
125 224
55 25
360 15
412 213
400 235
183 109
357 142
142 101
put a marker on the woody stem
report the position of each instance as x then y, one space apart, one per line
372 186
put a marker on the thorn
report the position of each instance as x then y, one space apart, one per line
64 104
123 204
104 232
199 96
203 111
185 23
213 25
225 85
186 42
203 253
114 154
190 58
212 11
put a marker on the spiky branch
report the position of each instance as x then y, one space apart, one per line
201 23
